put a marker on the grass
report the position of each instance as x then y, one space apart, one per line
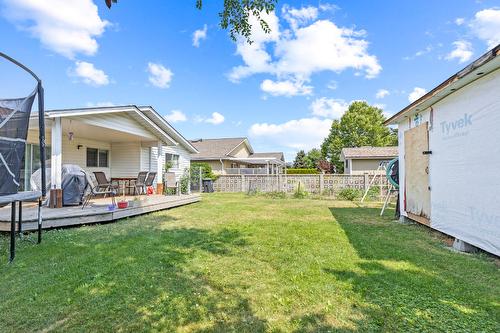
248 264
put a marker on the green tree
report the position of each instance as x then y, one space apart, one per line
312 158
235 15
361 125
300 160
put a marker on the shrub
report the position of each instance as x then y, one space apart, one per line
349 194
293 171
300 192
373 194
184 182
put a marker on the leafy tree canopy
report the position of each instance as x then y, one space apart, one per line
300 160
361 125
235 15
312 158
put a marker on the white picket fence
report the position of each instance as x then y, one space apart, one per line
317 184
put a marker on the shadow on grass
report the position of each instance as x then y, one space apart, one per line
410 282
115 279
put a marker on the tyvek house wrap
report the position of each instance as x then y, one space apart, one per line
465 164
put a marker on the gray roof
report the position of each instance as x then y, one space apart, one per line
369 152
215 148
276 155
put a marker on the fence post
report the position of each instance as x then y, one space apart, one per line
321 183
242 183
366 182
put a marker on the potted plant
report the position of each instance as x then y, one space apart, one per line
136 202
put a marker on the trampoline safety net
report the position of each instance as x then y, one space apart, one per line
14 121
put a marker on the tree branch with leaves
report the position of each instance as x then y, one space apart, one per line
235 15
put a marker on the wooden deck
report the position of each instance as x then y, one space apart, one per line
96 212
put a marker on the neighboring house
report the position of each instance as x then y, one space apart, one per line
119 140
449 155
361 160
236 156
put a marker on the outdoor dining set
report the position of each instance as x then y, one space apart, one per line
104 187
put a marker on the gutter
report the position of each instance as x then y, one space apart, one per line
481 61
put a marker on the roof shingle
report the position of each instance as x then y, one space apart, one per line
370 152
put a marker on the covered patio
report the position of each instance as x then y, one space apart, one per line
119 141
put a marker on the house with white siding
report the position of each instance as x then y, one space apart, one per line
121 141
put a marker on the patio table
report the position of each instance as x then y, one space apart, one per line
123 183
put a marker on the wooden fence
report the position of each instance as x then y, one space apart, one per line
328 184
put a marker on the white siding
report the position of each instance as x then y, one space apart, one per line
125 159
184 158
72 155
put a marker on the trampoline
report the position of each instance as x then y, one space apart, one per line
14 121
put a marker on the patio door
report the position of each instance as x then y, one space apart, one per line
417 189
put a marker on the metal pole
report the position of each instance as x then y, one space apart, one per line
40 220
20 220
41 136
12 231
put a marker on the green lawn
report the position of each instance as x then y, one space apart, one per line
238 263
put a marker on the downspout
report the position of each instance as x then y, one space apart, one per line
221 166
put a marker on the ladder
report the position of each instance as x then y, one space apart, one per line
381 167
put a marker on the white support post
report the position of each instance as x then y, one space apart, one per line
56 155
160 165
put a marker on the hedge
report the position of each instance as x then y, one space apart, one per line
293 171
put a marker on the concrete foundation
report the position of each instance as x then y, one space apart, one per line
462 246
405 220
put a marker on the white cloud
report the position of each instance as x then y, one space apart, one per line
176 116
486 26
381 93
65 27
304 50
462 51
298 17
99 104
159 76
419 53
285 88
416 94
459 21
306 133
328 107
199 35
216 119
332 85
89 74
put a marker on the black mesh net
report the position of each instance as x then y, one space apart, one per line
14 122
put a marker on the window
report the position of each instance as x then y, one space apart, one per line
234 165
173 159
103 158
97 158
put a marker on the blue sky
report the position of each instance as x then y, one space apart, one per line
282 91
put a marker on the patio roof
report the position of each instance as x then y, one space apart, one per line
145 115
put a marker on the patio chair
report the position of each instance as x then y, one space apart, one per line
94 192
102 181
140 183
171 182
150 179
